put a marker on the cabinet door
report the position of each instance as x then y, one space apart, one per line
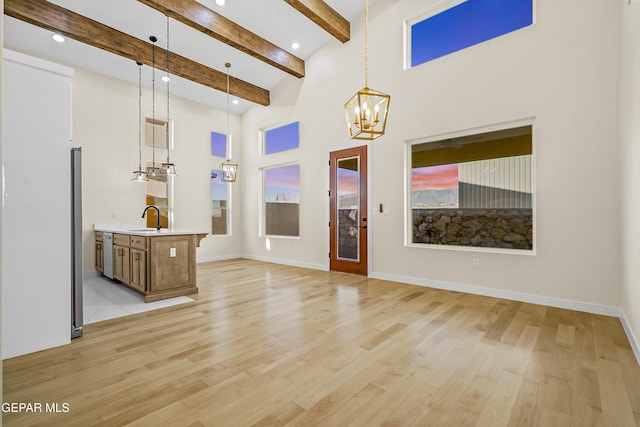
121 267
138 269
99 257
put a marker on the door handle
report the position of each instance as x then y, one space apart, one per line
364 227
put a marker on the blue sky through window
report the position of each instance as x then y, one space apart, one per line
218 144
282 138
467 24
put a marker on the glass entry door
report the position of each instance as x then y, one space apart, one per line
348 204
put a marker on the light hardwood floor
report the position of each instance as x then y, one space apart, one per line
271 345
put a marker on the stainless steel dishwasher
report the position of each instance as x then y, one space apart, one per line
107 254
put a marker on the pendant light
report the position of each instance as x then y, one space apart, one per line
153 171
228 168
168 168
366 112
139 175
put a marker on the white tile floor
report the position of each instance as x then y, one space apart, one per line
105 299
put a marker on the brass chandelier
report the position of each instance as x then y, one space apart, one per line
366 112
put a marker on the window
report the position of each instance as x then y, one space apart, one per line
158 195
282 200
219 204
466 24
282 138
219 145
474 190
158 132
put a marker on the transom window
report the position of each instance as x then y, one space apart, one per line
465 24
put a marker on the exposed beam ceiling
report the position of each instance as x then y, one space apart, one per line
205 20
323 15
47 15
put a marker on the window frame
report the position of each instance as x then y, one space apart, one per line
263 201
408 205
227 145
440 6
227 208
263 138
229 152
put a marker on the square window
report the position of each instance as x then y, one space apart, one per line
474 190
282 138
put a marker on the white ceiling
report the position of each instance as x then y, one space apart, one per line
273 20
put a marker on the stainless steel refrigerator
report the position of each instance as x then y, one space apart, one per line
76 243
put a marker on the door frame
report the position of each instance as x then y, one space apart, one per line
361 268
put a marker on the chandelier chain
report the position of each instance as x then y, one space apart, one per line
366 44
139 116
228 65
168 80
153 104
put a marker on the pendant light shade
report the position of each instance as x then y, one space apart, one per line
228 168
139 175
168 168
366 112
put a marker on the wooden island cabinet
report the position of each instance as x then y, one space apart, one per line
158 265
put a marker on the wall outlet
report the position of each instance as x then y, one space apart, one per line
476 262
172 252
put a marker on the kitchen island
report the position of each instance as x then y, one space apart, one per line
158 264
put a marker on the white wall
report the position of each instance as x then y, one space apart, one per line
105 125
36 293
630 169
560 71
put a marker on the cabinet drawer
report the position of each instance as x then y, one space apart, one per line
139 242
121 240
98 236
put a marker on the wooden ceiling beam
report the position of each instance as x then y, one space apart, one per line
325 17
50 16
205 20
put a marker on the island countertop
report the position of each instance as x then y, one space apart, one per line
140 230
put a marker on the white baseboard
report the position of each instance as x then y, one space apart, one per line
606 310
630 335
287 262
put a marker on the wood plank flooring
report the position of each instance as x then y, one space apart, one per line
272 345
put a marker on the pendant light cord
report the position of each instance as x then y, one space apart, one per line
366 44
228 65
139 116
168 80
153 102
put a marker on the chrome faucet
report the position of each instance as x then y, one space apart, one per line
158 226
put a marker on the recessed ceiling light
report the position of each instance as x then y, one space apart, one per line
295 45
220 2
165 78
235 102
58 38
